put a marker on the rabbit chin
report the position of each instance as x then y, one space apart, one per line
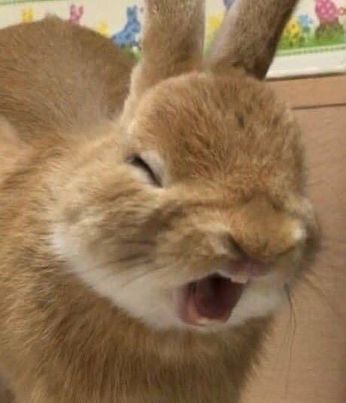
144 296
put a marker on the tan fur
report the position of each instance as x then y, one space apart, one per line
40 76
172 44
232 160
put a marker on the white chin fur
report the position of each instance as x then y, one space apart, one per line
143 297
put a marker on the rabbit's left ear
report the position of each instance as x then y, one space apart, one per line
172 44
249 35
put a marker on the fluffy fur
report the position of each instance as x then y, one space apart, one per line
95 249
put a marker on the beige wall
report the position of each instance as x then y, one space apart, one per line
306 357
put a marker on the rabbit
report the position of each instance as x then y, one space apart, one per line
153 215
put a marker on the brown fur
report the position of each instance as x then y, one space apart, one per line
250 46
40 76
233 156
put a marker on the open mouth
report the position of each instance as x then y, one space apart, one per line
211 299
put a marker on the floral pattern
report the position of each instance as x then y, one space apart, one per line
316 26
128 36
322 28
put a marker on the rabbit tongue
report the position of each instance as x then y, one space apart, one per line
212 299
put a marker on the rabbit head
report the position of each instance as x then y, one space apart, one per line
195 217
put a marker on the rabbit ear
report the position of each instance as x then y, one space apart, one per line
172 43
249 35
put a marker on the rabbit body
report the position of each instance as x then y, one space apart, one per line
92 248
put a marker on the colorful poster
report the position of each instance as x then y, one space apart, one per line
314 40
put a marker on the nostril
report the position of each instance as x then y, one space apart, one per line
235 246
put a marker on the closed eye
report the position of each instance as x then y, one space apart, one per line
138 162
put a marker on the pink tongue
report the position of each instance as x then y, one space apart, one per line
215 297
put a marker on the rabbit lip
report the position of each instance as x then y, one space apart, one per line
210 299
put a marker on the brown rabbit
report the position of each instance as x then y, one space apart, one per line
145 246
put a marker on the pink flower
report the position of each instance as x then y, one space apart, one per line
327 11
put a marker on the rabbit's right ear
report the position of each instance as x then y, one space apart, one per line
249 35
172 44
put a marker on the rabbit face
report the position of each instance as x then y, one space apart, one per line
198 220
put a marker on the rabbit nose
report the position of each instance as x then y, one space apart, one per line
242 262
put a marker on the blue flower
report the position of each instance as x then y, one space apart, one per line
305 21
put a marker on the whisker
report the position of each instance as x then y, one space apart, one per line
325 263
292 334
326 241
321 294
140 277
